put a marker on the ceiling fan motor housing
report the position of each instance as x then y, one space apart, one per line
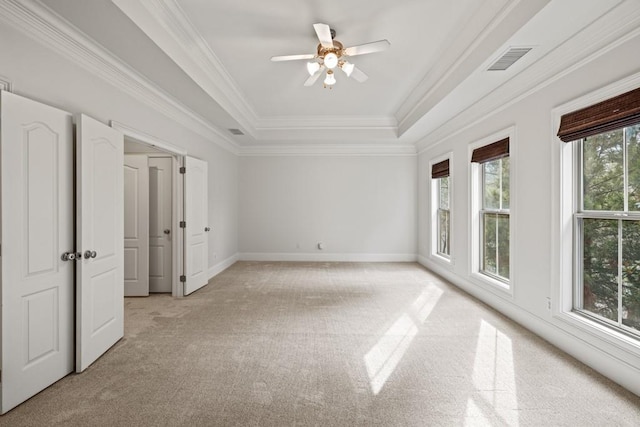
337 48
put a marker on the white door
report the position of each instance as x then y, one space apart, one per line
36 144
196 214
160 223
100 211
136 225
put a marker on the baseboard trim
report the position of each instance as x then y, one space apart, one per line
620 371
422 260
327 257
223 265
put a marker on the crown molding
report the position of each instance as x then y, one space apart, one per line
324 122
167 25
325 128
5 84
385 150
616 27
451 60
51 30
456 64
165 22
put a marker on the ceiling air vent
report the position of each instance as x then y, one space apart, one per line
236 132
509 58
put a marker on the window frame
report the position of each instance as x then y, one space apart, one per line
483 211
435 208
564 237
440 210
579 215
493 283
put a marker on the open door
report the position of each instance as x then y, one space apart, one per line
136 225
99 227
196 230
36 151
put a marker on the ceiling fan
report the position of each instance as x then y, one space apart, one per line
331 54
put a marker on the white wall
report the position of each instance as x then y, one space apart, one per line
360 207
41 74
535 182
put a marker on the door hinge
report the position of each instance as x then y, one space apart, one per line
183 169
183 279
183 224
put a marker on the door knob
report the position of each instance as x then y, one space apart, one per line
68 256
167 231
71 256
207 229
90 254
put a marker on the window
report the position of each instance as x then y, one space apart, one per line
493 206
607 215
608 224
442 220
494 222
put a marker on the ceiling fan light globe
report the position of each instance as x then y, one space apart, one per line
331 60
312 67
330 79
348 67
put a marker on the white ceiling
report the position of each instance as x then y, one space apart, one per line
244 35
213 57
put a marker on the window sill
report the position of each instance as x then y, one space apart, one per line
602 332
447 262
493 285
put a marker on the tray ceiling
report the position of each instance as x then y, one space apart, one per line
213 57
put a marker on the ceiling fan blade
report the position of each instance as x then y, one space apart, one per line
372 47
312 79
292 57
359 75
324 35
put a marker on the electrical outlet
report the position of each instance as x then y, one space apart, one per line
548 304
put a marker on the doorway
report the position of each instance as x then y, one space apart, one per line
190 241
150 211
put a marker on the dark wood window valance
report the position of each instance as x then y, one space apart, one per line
440 169
490 152
615 113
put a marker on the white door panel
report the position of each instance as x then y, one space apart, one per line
136 228
37 228
160 223
196 214
100 233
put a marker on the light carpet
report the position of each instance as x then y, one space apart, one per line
328 344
